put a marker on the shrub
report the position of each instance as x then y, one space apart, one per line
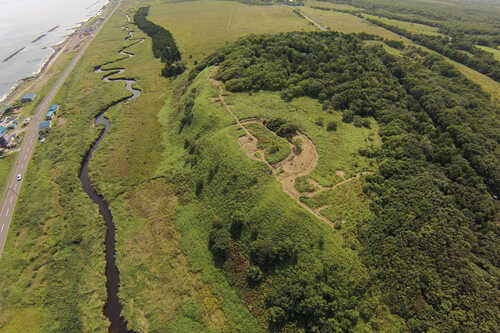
347 116
297 143
254 275
358 121
319 122
287 130
332 126
237 224
218 243
275 124
277 316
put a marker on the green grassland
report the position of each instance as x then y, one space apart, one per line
338 150
348 23
409 26
201 27
346 203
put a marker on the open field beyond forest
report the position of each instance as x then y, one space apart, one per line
348 23
409 26
201 27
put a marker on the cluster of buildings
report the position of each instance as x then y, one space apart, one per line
6 140
50 117
9 121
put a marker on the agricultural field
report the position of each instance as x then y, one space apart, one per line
348 23
219 22
409 26
324 4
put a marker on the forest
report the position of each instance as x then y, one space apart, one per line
431 246
482 61
454 43
164 46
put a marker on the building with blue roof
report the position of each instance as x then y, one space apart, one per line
49 115
5 109
3 130
29 97
44 126
54 107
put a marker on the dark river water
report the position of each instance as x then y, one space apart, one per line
112 308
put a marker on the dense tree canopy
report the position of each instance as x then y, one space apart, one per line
164 46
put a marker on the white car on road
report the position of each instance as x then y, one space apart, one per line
19 177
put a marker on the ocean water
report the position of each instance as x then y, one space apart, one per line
23 21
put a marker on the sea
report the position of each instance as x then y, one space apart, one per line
29 29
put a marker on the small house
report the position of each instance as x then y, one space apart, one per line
49 115
44 127
29 97
3 142
52 112
3 130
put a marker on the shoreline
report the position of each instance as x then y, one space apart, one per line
58 49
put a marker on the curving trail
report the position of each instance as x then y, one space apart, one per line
112 308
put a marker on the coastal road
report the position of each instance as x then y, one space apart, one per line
8 203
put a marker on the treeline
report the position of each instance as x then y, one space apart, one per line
432 245
164 46
481 61
478 19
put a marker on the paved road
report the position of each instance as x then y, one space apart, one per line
8 203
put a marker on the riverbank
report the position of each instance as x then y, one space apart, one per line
72 42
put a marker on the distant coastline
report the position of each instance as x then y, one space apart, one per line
57 48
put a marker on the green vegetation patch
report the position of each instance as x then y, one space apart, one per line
495 52
6 164
276 148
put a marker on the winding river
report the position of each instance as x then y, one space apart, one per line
112 309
